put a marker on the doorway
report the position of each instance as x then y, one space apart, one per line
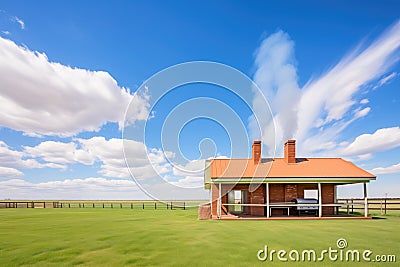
237 197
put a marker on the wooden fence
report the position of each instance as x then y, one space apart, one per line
131 205
378 204
169 205
350 205
28 204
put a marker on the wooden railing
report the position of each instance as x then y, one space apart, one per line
170 205
377 204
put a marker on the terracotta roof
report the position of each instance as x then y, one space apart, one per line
279 168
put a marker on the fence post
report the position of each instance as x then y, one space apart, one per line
167 206
347 205
183 205
112 205
83 204
155 205
171 205
93 205
143 205
103 205
352 207
120 205
44 204
131 206
79 205
69 205
385 205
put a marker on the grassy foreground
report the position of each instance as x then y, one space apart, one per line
117 237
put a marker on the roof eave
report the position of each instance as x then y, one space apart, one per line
338 180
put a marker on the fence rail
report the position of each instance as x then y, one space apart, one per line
169 205
382 204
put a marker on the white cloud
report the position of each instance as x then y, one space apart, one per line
382 140
364 156
276 76
191 168
20 22
386 79
190 175
364 101
6 32
59 152
190 182
387 170
10 173
317 114
10 158
331 95
108 152
40 97
89 188
146 164
139 107
358 113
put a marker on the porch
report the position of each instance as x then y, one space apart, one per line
330 217
275 201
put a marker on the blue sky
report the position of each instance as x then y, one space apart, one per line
69 70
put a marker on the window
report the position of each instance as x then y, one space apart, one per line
311 193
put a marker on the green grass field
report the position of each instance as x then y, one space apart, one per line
118 237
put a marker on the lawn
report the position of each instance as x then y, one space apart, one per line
117 237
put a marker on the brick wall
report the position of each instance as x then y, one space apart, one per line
257 197
277 193
290 192
302 187
290 151
214 197
328 197
204 212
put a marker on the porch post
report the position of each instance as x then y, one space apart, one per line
365 201
335 209
319 201
267 197
219 202
210 196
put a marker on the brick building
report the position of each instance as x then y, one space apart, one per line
265 187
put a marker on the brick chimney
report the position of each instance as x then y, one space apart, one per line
256 152
290 151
